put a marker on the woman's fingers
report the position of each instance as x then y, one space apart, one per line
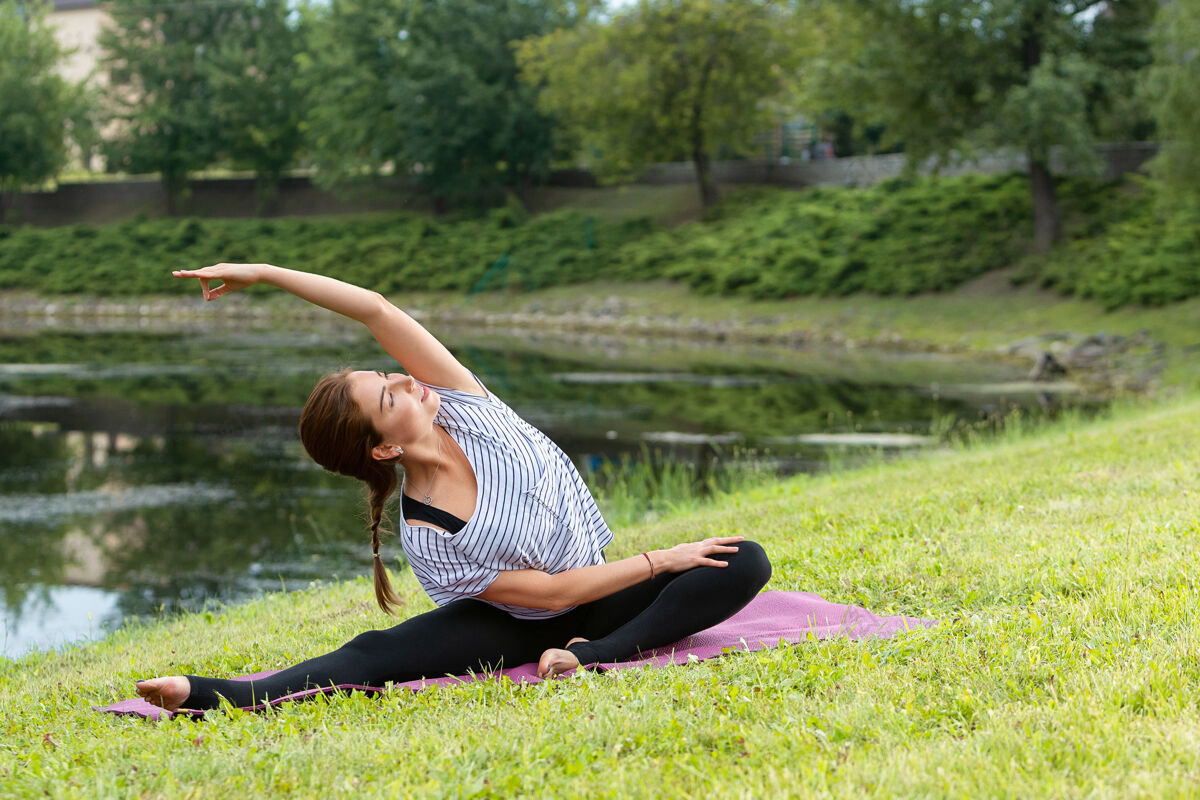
206 276
206 272
223 289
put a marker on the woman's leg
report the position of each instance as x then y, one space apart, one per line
462 636
670 607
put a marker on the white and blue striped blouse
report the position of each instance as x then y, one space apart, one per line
532 511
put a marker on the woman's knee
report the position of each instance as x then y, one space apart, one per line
750 565
369 643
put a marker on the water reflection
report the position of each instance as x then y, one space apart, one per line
144 472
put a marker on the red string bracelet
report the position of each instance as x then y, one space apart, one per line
651 563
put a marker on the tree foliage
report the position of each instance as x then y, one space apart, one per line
1173 86
158 91
666 79
431 86
952 76
352 124
197 83
257 103
34 100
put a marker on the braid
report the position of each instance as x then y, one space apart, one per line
378 494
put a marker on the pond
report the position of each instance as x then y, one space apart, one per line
150 469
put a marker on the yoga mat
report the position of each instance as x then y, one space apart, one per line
769 619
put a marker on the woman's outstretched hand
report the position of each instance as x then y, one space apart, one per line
232 277
683 557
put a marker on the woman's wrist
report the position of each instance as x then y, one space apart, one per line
269 274
650 561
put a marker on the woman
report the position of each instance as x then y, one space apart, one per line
497 524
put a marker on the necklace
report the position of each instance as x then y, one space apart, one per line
429 500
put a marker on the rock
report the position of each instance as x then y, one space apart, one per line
1047 367
1095 348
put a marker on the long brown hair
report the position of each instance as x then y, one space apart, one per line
339 437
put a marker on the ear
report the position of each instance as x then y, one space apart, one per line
386 452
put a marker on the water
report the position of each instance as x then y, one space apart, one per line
147 471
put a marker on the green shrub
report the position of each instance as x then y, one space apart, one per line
1130 249
390 252
900 237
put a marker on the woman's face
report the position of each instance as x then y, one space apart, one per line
401 409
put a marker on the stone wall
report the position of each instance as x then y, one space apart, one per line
866 170
103 202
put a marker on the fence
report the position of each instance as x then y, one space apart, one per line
102 202
111 201
865 170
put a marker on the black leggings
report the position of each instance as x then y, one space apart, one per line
472 635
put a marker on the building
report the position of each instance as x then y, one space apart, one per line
77 25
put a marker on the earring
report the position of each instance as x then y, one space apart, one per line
399 451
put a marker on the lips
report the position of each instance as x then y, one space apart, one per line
424 393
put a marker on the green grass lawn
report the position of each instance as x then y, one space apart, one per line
1063 561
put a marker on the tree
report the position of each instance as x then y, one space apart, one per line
667 78
256 102
351 126
35 101
949 76
159 91
1173 84
431 86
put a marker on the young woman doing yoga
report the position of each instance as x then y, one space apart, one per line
496 523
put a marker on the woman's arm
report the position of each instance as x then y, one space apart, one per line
416 349
532 588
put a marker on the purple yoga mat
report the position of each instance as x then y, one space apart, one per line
771 618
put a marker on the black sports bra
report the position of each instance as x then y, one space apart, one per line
415 509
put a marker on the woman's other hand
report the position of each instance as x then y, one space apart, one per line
683 557
232 277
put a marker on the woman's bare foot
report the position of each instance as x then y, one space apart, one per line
168 692
556 661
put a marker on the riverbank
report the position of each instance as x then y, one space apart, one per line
1130 349
1061 560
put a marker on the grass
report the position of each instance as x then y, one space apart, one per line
1063 560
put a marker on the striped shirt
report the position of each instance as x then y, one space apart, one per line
532 508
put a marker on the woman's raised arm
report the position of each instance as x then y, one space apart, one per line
416 349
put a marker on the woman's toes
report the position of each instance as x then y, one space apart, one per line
556 662
169 692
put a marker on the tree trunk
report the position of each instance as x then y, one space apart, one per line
525 188
173 186
708 190
1047 223
266 193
